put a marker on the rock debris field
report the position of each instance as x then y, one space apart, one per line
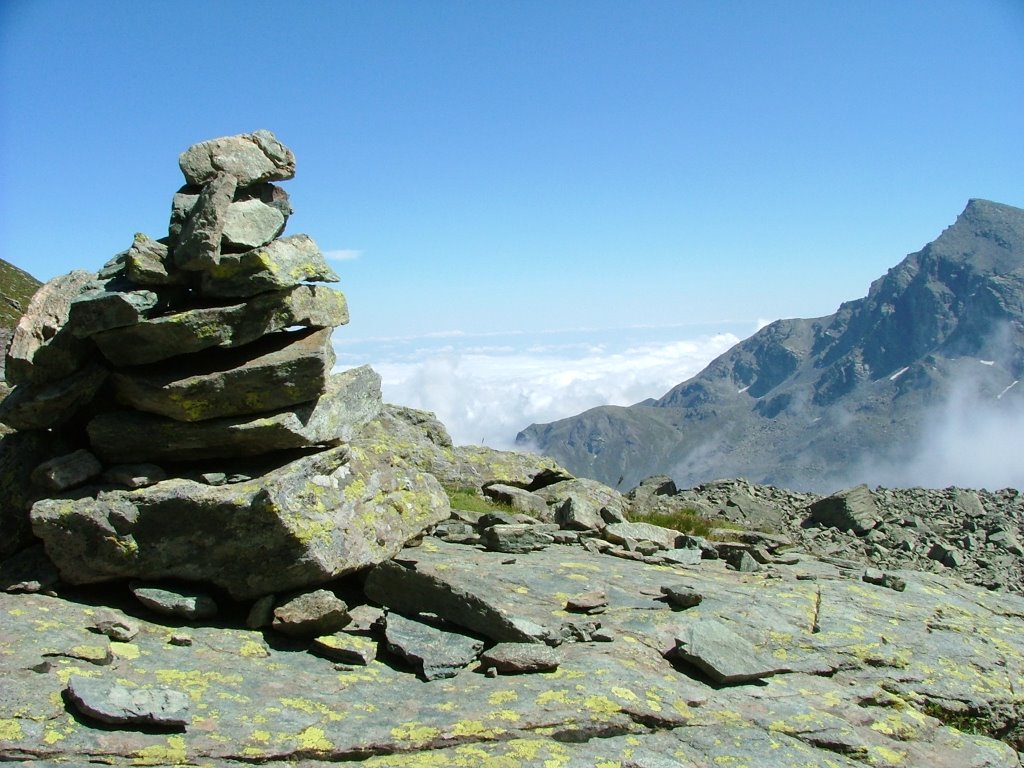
219 551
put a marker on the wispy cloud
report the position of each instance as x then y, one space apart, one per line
342 254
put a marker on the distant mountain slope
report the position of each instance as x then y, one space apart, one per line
844 398
16 288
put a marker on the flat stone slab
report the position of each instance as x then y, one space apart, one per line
118 705
191 605
193 330
279 371
721 654
281 264
436 653
517 658
53 403
351 399
619 533
310 614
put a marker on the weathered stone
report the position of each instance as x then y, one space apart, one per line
721 654
133 476
51 404
436 653
309 615
682 556
413 590
147 262
67 471
279 371
198 248
619 533
682 595
582 504
351 399
888 580
186 604
113 304
250 157
116 627
281 264
594 601
310 306
298 525
948 555
42 348
118 705
252 222
850 510
261 612
517 658
516 538
345 648
518 499
742 561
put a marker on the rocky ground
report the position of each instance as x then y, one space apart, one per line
540 639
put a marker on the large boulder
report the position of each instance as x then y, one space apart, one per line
351 399
42 348
302 524
851 510
251 158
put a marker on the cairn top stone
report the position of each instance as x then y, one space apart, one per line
249 157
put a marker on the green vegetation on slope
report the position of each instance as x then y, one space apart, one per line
16 288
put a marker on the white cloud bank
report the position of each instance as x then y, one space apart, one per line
485 391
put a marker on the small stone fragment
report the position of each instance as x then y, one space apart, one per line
67 471
740 560
515 539
116 627
261 614
682 596
515 658
311 614
185 604
134 475
346 648
594 601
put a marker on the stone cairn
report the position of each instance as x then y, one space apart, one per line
210 347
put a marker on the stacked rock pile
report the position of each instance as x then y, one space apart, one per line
211 344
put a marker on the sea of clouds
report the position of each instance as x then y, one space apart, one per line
487 387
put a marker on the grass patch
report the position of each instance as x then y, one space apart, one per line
18 288
470 500
685 520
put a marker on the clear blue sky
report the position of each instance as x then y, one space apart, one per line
529 165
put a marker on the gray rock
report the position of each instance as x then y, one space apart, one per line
517 658
118 705
148 262
721 654
310 306
187 604
113 304
415 590
948 555
887 580
351 399
198 248
310 615
682 595
261 612
67 471
51 404
619 533
281 264
582 504
345 648
295 526
42 349
434 652
251 157
685 556
251 223
742 561
133 476
518 499
116 627
593 601
515 538
279 371
850 510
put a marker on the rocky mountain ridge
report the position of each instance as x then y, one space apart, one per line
824 402
351 587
